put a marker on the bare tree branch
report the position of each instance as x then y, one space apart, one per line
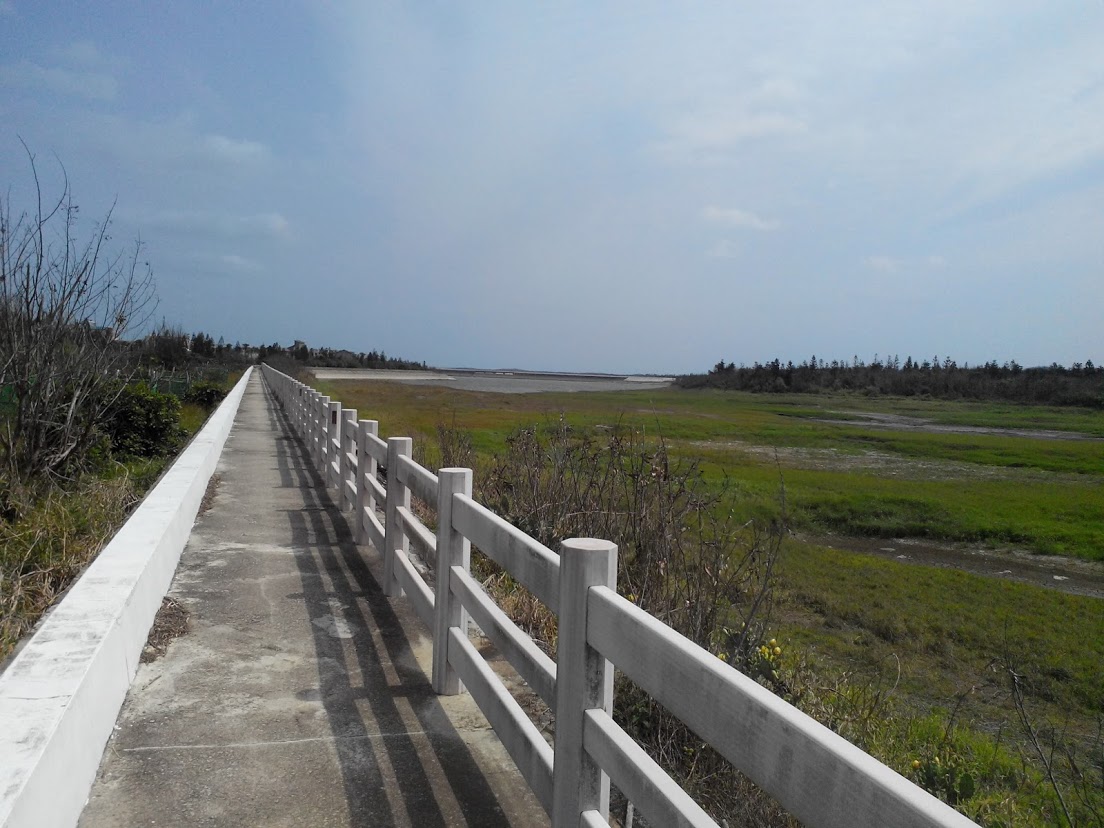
64 307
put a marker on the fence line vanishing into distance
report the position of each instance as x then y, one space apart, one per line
815 774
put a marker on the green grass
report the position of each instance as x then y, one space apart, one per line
939 643
1025 503
946 625
192 418
1058 517
1046 496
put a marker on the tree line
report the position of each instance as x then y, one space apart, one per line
172 347
1080 384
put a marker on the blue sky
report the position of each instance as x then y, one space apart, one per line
594 186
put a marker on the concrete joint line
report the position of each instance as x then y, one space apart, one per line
276 742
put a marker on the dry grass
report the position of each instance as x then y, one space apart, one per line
46 538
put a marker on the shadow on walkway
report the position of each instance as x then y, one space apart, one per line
299 695
336 577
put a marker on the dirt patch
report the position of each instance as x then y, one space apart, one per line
1070 575
171 623
883 464
899 422
209 494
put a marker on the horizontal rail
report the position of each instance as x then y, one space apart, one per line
419 534
378 492
643 782
373 528
421 596
531 662
522 740
817 775
376 448
531 563
422 482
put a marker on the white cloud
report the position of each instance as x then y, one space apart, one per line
234 151
175 143
884 264
240 264
715 138
219 225
724 249
92 85
895 264
85 53
739 218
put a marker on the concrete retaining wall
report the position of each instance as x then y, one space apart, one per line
60 696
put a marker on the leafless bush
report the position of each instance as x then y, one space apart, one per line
682 556
64 305
1074 771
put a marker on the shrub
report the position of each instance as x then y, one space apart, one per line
142 422
205 394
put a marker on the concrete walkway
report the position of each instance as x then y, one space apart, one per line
299 695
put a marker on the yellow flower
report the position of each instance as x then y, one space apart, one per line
916 764
778 651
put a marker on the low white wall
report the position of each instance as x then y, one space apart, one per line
60 696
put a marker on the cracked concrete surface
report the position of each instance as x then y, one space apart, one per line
300 694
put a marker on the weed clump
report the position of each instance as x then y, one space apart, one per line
47 536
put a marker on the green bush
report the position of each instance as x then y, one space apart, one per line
205 394
143 422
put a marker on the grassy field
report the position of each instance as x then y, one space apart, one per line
943 641
1042 495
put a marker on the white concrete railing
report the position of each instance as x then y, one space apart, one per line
61 694
815 774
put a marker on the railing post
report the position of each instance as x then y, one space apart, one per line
297 413
305 433
584 681
333 424
366 468
305 422
304 415
453 549
397 495
321 407
347 469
